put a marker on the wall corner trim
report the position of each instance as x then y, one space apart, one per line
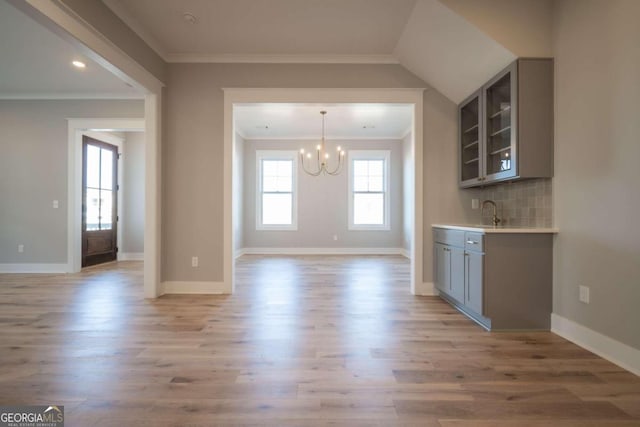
187 287
614 351
426 289
28 268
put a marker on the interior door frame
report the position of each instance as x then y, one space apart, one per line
91 127
117 142
413 96
88 40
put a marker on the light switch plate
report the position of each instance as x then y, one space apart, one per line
20 248
475 203
194 261
55 204
584 294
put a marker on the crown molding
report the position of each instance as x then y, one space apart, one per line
228 58
131 22
63 96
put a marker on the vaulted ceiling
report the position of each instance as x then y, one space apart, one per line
453 45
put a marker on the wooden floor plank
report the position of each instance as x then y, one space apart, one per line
304 341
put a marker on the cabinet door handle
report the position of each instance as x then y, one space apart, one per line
471 242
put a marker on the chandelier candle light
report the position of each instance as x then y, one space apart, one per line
322 157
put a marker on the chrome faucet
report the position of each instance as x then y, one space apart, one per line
495 218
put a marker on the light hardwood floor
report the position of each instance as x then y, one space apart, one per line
304 341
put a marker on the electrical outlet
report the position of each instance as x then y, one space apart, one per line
475 204
194 261
335 237
584 294
20 248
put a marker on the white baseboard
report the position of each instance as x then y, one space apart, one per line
614 351
34 268
426 289
192 288
405 253
239 253
320 251
130 256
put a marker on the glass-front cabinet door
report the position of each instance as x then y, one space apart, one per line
500 121
470 146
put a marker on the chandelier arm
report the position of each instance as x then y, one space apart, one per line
338 167
304 168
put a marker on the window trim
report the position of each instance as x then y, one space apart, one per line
277 155
371 155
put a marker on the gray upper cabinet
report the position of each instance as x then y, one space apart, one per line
470 119
506 127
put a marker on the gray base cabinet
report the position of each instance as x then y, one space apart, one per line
503 281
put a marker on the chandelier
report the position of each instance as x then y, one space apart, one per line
322 158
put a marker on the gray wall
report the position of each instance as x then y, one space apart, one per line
596 197
33 173
132 221
323 202
192 210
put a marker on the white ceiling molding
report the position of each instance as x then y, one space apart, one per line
448 52
122 13
280 59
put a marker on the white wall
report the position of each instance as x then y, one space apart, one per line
597 150
322 202
33 173
238 193
132 221
407 190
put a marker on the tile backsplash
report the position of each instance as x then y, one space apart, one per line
521 203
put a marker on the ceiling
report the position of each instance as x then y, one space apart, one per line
304 121
440 46
267 27
36 64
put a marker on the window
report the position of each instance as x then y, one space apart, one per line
369 190
276 204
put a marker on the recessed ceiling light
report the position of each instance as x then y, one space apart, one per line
189 18
79 64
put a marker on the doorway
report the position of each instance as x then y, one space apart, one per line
99 202
414 217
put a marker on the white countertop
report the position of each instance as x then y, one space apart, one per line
480 228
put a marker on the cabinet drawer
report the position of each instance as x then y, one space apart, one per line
449 237
474 241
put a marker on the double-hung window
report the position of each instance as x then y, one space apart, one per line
276 201
369 190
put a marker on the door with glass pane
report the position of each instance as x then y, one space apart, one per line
99 202
500 125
